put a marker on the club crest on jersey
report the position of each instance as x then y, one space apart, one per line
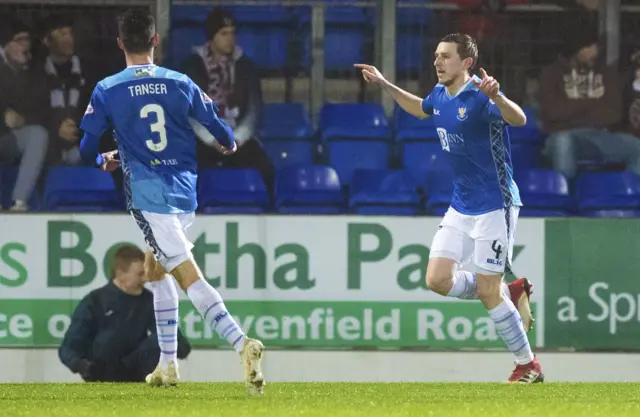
89 109
462 113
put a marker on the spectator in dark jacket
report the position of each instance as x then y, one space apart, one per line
112 336
230 78
23 111
70 84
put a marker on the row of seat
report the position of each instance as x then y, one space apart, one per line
360 136
316 189
279 37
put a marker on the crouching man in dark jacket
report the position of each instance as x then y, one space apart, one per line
112 336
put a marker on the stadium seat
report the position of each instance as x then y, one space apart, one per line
384 192
284 121
608 190
413 25
346 32
529 132
283 153
353 121
310 189
409 127
611 213
355 136
417 156
438 186
524 156
544 190
240 191
80 189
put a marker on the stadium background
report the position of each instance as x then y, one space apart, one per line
288 276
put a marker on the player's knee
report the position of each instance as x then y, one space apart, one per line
439 281
440 274
153 271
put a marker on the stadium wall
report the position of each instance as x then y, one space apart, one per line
42 365
334 282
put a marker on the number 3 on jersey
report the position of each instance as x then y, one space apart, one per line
157 127
444 139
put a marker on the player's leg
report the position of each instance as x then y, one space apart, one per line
174 255
493 234
450 248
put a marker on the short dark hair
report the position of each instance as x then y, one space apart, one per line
466 45
136 29
124 257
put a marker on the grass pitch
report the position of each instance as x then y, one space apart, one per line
322 399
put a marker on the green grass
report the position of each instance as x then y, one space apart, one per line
326 400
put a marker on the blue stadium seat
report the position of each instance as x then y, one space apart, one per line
611 213
417 157
80 189
283 153
410 128
529 132
311 189
239 191
384 192
284 121
413 25
356 136
8 176
524 156
608 190
353 121
438 186
542 189
267 47
348 155
184 40
346 28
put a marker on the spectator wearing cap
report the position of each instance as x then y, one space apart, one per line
69 90
23 111
230 78
581 100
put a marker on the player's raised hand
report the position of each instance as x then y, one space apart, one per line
487 84
110 162
371 74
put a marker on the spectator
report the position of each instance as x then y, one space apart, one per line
581 105
112 336
633 94
23 110
69 90
230 78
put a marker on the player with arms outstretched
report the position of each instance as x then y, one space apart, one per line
156 114
471 115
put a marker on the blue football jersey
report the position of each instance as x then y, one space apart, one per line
151 110
475 144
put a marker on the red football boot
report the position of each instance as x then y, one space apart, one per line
530 373
520 291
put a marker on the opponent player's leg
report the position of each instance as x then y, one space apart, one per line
494 235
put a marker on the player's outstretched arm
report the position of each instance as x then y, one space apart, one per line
510 111
409 102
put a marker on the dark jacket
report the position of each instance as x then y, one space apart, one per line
69 92
24 91
245 94
109 326
572 99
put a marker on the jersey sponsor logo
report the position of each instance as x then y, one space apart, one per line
89 109
462 114
141 72
205 98
447 140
